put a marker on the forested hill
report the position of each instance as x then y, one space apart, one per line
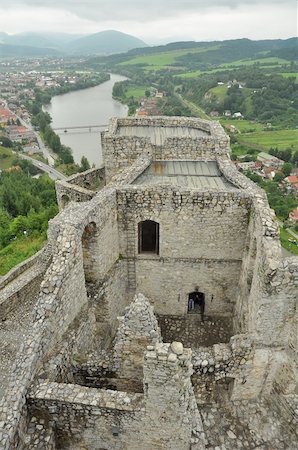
214 52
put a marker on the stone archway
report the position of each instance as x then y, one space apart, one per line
65 199
89 238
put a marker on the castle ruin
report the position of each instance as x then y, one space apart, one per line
104 347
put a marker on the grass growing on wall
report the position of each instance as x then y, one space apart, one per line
286 240
18 251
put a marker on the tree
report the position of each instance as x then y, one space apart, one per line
287 154
5 141
278 177
55 143
287 168
85 165
295 158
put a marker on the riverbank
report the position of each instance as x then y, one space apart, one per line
41 119
78 111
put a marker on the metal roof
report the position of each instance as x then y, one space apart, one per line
190 174
159 134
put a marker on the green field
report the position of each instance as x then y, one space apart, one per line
6 158
219 92
270 61
195 74
289 75
244 126
254 135
135 92
161 60
281 139
18 251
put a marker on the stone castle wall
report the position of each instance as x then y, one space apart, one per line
267 298
121 151
224 242
200 244
63 295
22 281
97 418
267 301
80 187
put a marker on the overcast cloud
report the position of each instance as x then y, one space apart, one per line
155 20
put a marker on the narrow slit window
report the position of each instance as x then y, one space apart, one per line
149 237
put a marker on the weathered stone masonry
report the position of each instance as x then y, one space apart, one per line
93 370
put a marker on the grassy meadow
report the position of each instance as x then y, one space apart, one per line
6 158
281 139
270 62
162 60
136 92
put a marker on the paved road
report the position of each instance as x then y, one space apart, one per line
53 173
45 150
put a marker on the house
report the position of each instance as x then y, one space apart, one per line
141 112
269 160
237 115
214 114
17 133
291 183
292 179
293 215
248 165
269 172
6 115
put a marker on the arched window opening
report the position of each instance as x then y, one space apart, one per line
89 238
64 200
149 237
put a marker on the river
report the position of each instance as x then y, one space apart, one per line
92 106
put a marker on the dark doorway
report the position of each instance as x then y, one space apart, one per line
148 237
196 303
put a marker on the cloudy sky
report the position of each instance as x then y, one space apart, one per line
155 21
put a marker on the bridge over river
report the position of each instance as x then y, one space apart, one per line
80 128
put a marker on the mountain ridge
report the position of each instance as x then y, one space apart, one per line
103 43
